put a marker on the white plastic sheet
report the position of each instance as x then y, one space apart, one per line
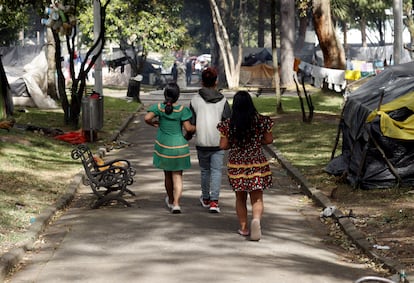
35 78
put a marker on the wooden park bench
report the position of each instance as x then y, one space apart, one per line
108 180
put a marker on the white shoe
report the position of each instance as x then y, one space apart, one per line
175 209
167 202
204 203
255 230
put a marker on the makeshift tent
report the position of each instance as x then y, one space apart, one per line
377 129
26 70
259 57
257 75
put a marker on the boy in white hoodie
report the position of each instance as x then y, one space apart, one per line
209 107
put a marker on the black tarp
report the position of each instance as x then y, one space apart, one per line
257 58
361 159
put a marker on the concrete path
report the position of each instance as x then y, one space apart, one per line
146 243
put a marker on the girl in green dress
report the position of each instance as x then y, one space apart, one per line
171 150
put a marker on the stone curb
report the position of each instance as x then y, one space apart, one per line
346 225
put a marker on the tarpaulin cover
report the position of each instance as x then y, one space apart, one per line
26 69
260 74
391 128
77 137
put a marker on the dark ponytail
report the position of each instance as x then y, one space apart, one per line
171 95
168 107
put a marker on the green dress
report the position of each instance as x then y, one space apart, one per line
171 150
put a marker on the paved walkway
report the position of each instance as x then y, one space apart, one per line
146 243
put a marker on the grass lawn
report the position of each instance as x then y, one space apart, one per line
306 145
35 169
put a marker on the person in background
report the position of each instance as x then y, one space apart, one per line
189 71
209 107
174 72
171 150
197 68
248 169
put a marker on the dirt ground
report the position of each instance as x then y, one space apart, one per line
385 216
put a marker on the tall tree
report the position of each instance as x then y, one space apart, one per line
287 41
72 107
197 18
13 17
369 14
276 78
409 23
333 52
231 68
261 24
303 9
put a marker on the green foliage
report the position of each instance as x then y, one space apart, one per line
144 24
340 9
197 17
12 19
303 6
371 10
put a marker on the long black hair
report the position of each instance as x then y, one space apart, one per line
243 118
171 95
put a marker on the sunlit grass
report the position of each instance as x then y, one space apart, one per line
308 146
35 169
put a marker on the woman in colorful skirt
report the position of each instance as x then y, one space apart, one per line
171 150
248 169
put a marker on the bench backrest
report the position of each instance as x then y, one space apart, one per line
83 153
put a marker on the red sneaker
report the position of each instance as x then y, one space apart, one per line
214 207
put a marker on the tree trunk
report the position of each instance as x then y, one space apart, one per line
345 31
333 52
363 26
51 65
303 24
409 22
276 78
61 78
231 69
287 42
72 111
261 24
380 27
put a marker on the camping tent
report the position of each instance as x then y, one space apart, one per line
377 129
